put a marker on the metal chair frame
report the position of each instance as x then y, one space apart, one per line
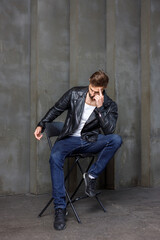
53 129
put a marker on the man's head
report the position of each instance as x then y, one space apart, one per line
98 82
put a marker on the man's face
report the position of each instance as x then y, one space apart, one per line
93 91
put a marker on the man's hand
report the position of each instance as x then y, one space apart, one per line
99 99
37 133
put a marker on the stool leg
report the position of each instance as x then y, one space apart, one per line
44 209
76 189
80 168
73 208
100 203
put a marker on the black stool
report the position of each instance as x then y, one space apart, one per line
53 129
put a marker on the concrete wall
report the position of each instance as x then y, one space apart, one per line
155 90
48 46
50 56
15 96
150 49
127 90
87 39
64 58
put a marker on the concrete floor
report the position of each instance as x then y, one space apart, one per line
132 214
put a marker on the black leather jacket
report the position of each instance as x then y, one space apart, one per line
73 100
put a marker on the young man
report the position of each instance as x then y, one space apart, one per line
90 112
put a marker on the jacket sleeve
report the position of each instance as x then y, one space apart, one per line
107 118
60 106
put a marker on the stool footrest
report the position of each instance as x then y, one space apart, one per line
82 197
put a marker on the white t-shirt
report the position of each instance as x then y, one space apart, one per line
88 109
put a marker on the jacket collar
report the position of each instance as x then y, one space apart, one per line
82 91
107 99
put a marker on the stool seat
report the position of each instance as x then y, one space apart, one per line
82 155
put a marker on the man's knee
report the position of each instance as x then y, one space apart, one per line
117 140
56 159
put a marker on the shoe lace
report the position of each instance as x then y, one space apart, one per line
59 212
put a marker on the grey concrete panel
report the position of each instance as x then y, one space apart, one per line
53 52
33 97
155 68
53 71
87 39
127 71
155 163
127 170
14 97
145 93
110 69
110 46
155 92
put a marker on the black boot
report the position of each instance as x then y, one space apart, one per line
90 185
60 221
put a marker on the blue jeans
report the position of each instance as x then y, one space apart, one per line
106 146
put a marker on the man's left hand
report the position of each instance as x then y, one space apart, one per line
99 99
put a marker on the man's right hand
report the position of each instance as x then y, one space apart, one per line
38 133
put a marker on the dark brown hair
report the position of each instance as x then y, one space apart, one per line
99 79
